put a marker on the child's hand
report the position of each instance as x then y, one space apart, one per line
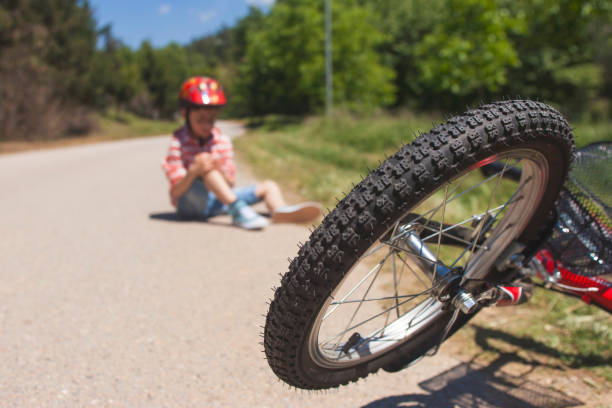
203 163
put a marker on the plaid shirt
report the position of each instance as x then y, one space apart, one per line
184 148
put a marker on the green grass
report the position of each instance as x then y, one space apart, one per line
122 125
112 125
319 158
589 132
554 335
580 334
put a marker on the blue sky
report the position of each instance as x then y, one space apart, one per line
165 21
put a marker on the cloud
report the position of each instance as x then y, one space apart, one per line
164 9
206 16
260 3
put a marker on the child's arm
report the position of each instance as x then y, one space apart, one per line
180 178
180 187
202 164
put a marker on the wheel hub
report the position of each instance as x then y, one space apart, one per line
447 285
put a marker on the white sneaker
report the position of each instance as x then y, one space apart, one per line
297 213
245 217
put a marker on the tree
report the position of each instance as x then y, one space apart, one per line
405 23
115 74
559 51
45 54
469 52
284 68
163 70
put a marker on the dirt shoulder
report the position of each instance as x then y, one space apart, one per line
500 342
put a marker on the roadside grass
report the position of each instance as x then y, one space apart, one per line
590 132
581 333
551 333
112 125
319 159
123 125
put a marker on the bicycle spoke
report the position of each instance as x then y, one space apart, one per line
374 269
486 180
520 187
492 241
382 333
363 299
426 285
386 311
413 272
493 193
401 275
458 184
394 273
376 299
408 251
434 210
419 312
348 329
395 284
457 225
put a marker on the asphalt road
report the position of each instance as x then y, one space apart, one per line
107 300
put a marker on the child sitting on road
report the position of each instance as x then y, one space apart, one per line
201 170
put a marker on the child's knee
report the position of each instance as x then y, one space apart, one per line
269 185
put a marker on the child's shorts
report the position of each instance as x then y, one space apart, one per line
200 203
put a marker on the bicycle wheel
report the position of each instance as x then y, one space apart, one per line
372 287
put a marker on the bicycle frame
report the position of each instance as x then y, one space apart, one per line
589 289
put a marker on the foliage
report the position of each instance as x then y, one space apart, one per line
284 69
320 158
406 22
587 132
562 38
580 333
63 35
163 70
472 51
44 52
449 53
57 64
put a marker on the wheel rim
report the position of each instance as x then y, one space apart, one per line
385 299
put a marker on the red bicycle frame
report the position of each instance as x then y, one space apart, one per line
589 289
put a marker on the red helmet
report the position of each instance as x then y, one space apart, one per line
201 91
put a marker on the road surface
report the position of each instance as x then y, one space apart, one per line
106 300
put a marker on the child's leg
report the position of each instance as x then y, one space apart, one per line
223 199
246 194
216 184
270 192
